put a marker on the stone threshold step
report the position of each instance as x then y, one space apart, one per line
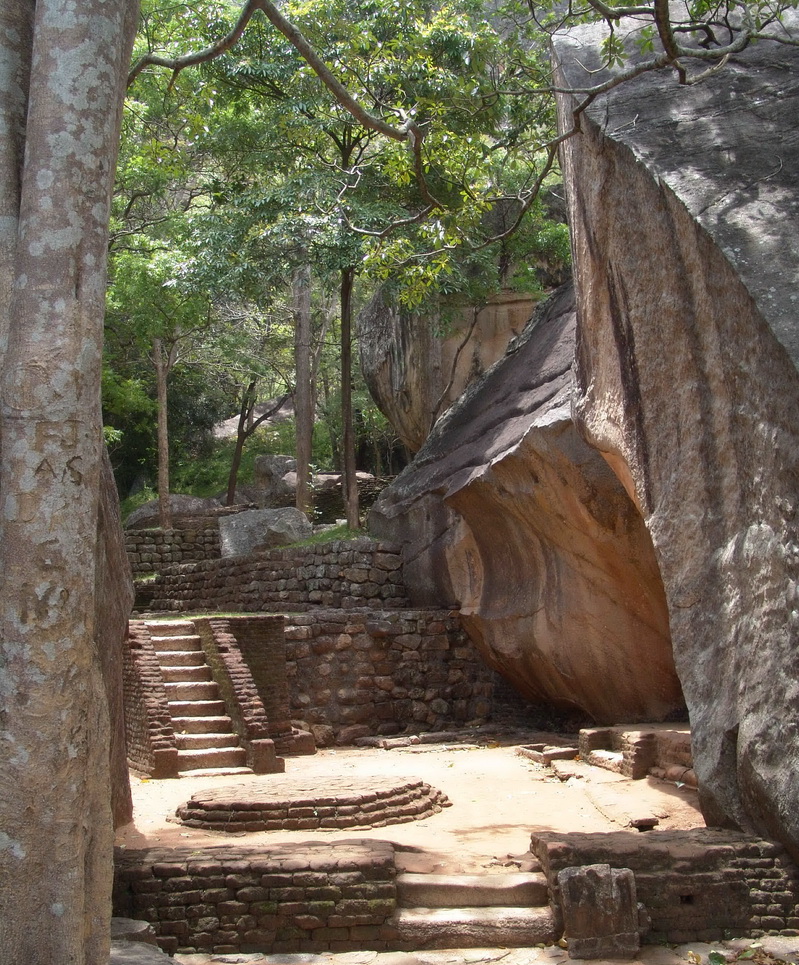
420 928
473 891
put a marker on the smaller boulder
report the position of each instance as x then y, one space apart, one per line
146 516
261 529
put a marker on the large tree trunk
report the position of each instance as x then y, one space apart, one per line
303 395
162 367
348 431
62 69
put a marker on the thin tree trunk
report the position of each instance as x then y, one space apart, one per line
350 478
303 396
162 367
242 431
62 69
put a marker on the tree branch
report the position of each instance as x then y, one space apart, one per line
409 131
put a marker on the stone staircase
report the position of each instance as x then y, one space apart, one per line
203 730
472 911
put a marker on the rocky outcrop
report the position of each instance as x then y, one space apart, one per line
416 366
113 603
146 515
507 513
684 204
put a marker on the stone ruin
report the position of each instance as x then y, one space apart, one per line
614 510
678 539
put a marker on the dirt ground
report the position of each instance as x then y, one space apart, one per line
498 798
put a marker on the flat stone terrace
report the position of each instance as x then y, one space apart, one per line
286 804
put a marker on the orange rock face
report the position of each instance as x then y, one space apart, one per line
507 513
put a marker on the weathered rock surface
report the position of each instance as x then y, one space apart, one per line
684 203
113 604
260 529
268 480
600 911
415 372
508 513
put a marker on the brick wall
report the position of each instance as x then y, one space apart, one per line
149 735
263 646
660 749
698 885
301 898
364 672
341 573
150 550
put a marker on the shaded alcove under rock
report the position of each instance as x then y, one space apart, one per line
508 514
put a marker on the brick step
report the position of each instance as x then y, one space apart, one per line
274 807
174 675
423 928
169 628
176 643
204 741
473 891
207 690
181 658
212 758
202 724
215 771
196 708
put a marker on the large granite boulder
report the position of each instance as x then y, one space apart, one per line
416 366
147 515
507 513
684 205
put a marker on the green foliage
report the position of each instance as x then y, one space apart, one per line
335 533
234 173
129 503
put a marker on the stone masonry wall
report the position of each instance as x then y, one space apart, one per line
297 898
699 885
151 550
360 673
341 573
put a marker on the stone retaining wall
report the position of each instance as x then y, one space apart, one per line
341 573
151 550
662 750
363 672
698 885
308 898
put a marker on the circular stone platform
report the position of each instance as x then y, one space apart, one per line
292 804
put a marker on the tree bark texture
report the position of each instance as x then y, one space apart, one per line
163 364
348 431
303 396
62 70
